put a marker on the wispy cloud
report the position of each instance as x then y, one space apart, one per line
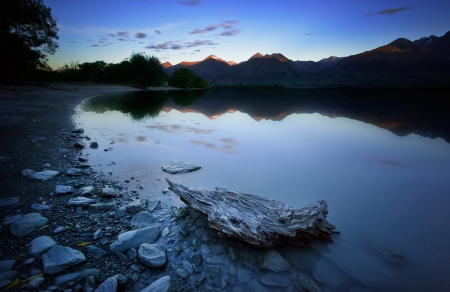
228 24
122 33
157 31
230 32
191 3
388 11
177 45
208 28
388 162
310 33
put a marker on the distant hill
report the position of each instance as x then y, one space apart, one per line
401 63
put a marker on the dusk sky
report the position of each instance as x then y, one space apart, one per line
234 30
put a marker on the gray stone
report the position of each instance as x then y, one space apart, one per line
109 285
44 175
255 286
93 251
217 248
86 191
27 172
27 224
179 167
83 165
178 212
243 274
98 234
63 190
101 207
205 248
80 202
8 275
6 265
152 255
108 192
182 273
274 261
142 219
132 253
307 284
274 280
28 262
121 279
72 277
4 283
79 144
78 131
34 284
59 229
163 284
135 207
40 244
165 232
187 267
74 171
232 254
94 145
134 238
218 260
8 203
197 259
151 204
41 207
10 219
59 258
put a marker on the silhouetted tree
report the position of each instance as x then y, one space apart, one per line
146 70
185 78
27 33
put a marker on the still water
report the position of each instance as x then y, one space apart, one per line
380 159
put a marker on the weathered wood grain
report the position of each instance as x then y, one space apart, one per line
257 220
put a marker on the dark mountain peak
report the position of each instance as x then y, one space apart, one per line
280 57
255 56
401 43
331 59
426 41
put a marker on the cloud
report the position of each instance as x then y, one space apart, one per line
388 162
228 24
310 33
388 11
191 3
230 32
111 34
94 45
176 45
179 129
208 28
140 35
157 31
122 33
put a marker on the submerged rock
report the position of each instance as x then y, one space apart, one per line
274 261
174 167
152 255
142 219
10 202
27 224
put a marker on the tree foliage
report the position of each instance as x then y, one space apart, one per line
185 78
146 70
27 33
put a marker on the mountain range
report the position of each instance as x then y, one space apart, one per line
401 63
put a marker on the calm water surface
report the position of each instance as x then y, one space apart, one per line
387 194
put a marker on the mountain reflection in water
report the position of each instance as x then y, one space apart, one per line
401 111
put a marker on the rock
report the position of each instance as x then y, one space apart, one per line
94 145
34 284
109 285
307 284
174 167
63 190
41 207
59 229
8 275
92 251
142 219
178 212
165 232
6 265
4 283
163 284
78 131
274 280
98 234
151 204
256 220
222 259
8 203
72 277
83 166
86 191
27 172
40 244
132 253
182 273
135 207
79 144
217 248
74 171
197 259
326 272
59 258
121 279
11 218
134 238
232 254
255 286
44 175
101 207
108 192
152 255
205 248
187 266
274 261
27 224
80 202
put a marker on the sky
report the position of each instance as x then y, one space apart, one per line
234 30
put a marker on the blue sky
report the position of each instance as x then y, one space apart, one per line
234 30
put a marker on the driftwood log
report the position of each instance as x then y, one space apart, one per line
257 220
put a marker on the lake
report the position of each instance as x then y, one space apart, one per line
380 158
